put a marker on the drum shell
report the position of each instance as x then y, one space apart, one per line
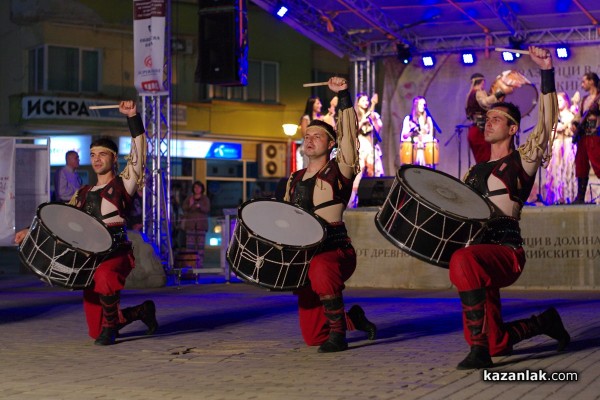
68 267
408 153
55 261
422 229
432 153
282 267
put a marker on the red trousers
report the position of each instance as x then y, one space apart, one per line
588 151
492 267
327 273
482 150
109 279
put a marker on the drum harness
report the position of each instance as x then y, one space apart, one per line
302 195
500 229
92 207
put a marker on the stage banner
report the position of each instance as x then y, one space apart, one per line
7 191
149 44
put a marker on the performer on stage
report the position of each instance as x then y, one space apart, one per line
417 131
324 188
478 102
109 201
587 135
312 111
560 174
480 270
369 150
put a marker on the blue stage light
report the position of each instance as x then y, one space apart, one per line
428 61
468 58
403 53
281 10
510 57
563 52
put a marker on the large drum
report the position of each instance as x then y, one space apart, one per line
520 91
273 243
430 214
65 245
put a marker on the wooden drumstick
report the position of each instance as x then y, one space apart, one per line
315 84
103 107
512 50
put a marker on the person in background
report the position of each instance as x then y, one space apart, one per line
196 209
478 102
560 175
369 150
417 131
66 179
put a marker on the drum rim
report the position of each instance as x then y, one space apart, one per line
41 221
291 246
430 204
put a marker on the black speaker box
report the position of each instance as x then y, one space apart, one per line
222 42
372 192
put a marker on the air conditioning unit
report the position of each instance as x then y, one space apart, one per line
272 160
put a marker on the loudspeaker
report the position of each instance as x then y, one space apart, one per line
271 160
372 192
222 42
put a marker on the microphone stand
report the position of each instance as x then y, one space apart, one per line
458 133
436 128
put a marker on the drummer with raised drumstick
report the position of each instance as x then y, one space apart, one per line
324 188
480 270
478 102
109 201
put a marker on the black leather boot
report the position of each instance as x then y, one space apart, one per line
110 314
146 312
473 305
581 189
547 323
360 321
334 311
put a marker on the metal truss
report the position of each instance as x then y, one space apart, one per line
508 17
156 113
573 36
317 26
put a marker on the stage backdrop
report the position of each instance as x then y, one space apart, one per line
446 86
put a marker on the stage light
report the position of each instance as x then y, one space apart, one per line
281 10
404 54
509 56
563 52
428 61
468 58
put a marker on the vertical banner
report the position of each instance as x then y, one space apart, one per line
149 44
7 191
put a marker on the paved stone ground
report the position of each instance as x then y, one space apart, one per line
235 341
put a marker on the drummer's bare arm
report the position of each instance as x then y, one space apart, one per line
347 129
19 236
535 150
485 100
133 173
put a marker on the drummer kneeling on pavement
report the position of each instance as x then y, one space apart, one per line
480 270
324 188
108 202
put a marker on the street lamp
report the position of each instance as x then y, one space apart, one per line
290 130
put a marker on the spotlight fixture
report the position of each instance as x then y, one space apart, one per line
403 52
428 61
281 10
468 58
510 57
563 52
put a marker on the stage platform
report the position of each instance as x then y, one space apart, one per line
562 244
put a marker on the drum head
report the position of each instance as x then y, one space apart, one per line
445 192
75 227
281 223
525 97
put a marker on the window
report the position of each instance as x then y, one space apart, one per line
263 85
63 69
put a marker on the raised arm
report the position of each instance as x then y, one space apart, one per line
133 173
347 129
537 149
